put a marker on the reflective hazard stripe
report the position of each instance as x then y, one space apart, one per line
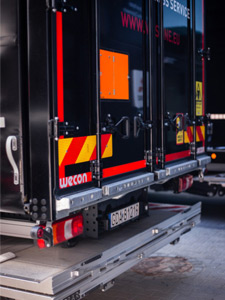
81 149
87 149
117 170
106 145
177 155
200 134
59 63
188 135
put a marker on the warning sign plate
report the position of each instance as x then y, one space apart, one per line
180 133
199 98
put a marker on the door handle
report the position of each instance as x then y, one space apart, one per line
11 144
125 120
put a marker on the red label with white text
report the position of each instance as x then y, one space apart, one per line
74 180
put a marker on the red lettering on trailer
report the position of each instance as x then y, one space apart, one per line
171 37
70 181
137 24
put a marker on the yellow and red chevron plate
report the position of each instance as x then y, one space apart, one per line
82 149
200 134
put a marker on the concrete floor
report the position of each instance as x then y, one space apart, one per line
203 247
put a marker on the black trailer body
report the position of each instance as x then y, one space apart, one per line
13 92
98 98
215 87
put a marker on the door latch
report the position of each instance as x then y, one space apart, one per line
172 122
139 125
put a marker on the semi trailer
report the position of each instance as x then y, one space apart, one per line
214 182
99 101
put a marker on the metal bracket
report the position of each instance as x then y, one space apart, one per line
193 148
61 5
57 129
38 232
148 157
68 129
96 169
90 216
27 208
205 53
107 286
53 128
201 120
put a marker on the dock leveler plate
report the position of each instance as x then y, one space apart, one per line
58 273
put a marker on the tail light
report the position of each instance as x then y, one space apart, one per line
185 183
41 244
66 229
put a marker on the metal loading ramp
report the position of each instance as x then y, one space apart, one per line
59 273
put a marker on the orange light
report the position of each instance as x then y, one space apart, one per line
213 155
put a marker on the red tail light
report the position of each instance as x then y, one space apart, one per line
41 243
185 183
68 228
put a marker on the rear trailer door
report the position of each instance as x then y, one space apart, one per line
74 94
201 55
123 29
12 94
176 51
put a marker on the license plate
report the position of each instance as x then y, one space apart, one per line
123 215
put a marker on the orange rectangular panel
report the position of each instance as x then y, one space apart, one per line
114 75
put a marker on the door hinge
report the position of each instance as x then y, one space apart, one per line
66 129
61 5
53 128
96 170
161 157
148 157
193 148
